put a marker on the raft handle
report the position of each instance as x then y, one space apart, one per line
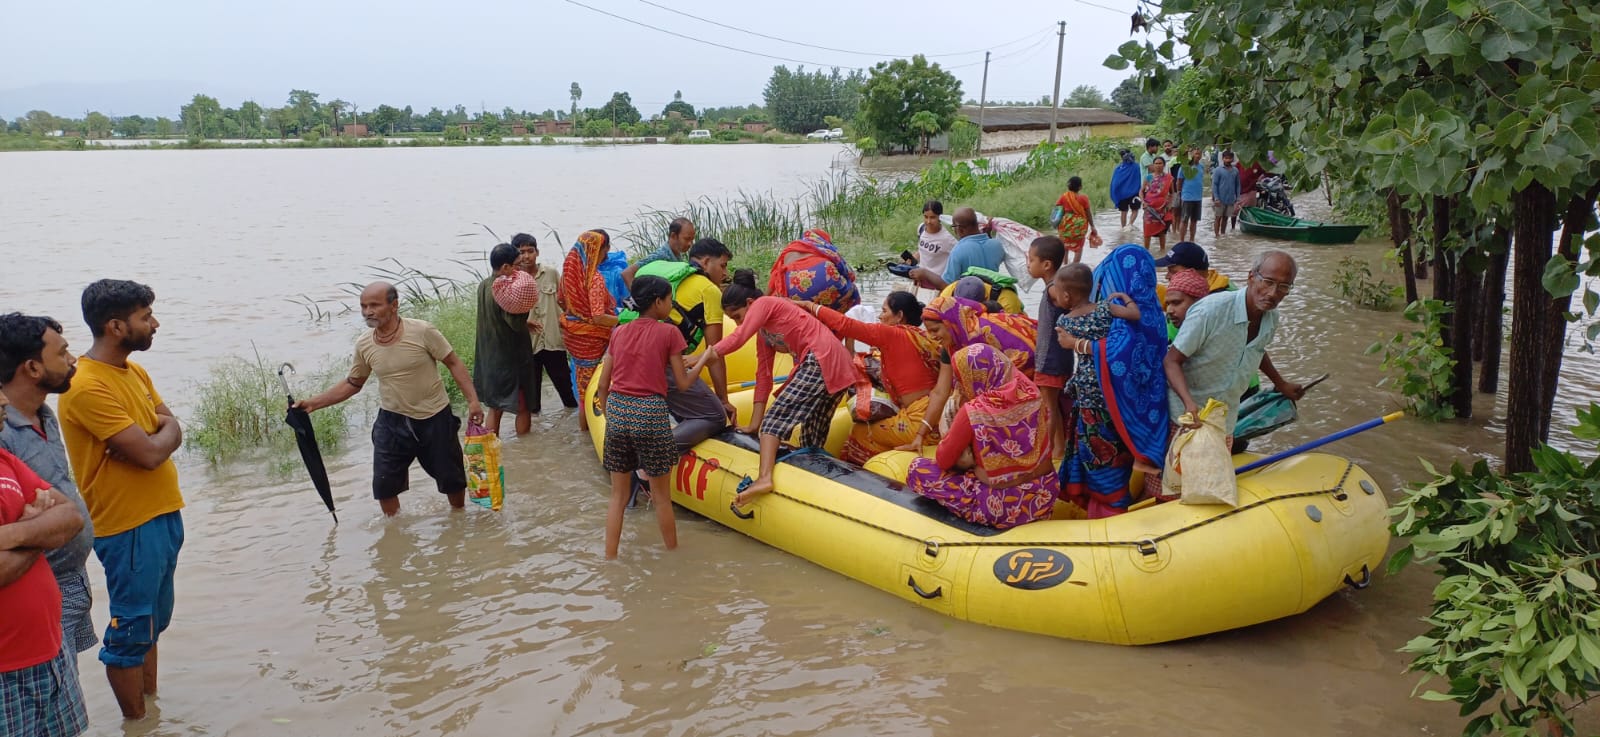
936 593
1147 547
930 548
1366 579
734 507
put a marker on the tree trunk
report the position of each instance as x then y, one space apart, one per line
1491 327
1463 330
1526 413
1425 260
1574 220
1400 235
1444 262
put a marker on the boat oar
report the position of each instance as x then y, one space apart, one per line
1318 443
775 380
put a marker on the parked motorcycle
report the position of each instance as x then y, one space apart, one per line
1272 193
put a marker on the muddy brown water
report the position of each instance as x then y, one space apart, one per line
489 624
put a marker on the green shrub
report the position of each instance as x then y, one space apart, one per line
1514 631
1355 282
547 140
728 136
1419 364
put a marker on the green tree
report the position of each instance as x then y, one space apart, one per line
678 106
251 119
164 127
926 124
1130 99
39 123
129 126
596 127
1084 96
97 125
306 109
619 110
576 93
202 117
800 101
385 118
897 90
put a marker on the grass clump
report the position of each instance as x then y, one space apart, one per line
241 410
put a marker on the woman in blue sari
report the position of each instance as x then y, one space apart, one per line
1119 412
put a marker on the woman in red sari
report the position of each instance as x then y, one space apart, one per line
1074 220
1157 197
589 312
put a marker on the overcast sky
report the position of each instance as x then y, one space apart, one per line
147 58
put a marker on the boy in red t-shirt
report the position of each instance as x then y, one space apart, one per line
633 395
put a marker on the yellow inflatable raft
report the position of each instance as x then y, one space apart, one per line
1304 528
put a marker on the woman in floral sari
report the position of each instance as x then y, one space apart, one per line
955 323
811 269
1007 480
1157 197
589 313
1119 412
1074 220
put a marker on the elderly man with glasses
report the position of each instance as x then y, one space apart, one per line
1224 341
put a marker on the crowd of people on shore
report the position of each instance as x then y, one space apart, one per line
1168 186
1063 405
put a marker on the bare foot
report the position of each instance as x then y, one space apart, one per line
761 486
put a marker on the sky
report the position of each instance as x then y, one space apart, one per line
149 58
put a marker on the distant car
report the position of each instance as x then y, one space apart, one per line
820 134
835 134
700 133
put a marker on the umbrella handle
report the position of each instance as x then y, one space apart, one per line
284 380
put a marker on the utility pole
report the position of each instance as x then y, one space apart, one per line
1055 104
983 99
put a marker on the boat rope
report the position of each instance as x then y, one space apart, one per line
1146 546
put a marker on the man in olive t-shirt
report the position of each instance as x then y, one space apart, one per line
414 418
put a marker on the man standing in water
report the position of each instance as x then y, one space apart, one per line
414 418
544 327
1224 339
680 238
34 363
120 436
503 367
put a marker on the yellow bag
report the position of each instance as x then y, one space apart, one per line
1199 465
486 478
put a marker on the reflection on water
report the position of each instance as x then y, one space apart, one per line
478 623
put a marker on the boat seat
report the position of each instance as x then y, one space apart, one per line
865 482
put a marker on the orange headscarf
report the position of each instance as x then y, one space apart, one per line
583 291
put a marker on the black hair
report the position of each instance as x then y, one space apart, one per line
523 239
503 254
113 299
934 206
1074 184
1124 152
676 226
22 340
1228 153
741 291
906 305
1049 248
1077 275
1167 141
391 294
647 290
993 307
709 248
1159 158
1148 142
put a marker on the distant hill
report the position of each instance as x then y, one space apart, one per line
146 98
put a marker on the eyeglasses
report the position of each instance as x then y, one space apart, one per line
1281 287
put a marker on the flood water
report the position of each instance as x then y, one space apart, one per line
490 624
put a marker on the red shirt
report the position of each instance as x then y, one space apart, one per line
640 353
30 607
802 333
904 370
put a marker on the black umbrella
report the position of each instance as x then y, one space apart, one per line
306 437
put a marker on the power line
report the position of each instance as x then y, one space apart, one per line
827 48
1042 40
1103 7
703 41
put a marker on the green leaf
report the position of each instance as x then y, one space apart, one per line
1562 650
1446 40
1116 62
1513 680
1436 696
1589 649
1560 278
1580 579
1591 300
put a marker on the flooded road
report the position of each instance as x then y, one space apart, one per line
491 624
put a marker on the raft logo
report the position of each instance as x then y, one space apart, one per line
1033 569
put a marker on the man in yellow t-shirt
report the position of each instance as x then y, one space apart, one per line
120 437
414 419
